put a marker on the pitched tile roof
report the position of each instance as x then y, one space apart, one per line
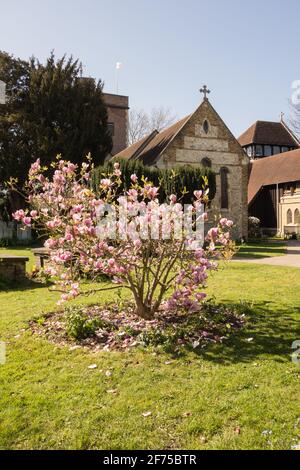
135 149
270 133
150 147
281 168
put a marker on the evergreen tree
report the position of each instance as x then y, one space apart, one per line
51 110
13 149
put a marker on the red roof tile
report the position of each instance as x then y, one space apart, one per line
150 147
281 168
270 133
134 149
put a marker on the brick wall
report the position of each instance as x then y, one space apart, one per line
117 107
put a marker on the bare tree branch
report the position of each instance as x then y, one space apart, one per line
142 123
138 125
160 118
294 120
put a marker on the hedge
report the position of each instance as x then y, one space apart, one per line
171 181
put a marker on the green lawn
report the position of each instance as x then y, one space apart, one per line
50 399
257 250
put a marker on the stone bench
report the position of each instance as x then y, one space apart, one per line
13 268
41 255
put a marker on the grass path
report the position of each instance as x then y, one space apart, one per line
224 398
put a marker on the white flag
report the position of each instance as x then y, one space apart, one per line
118 65
2 92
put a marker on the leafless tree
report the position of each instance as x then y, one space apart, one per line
138 125
142 123
294 120
160 118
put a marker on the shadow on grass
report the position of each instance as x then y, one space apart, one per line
20 286
258 253
269 332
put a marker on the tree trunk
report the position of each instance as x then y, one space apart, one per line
144 311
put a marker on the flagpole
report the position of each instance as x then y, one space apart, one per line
118 67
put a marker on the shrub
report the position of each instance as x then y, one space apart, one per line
156 251
81 326
254 228
5 242
214 323
181 180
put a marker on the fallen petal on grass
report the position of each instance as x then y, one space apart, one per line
187 414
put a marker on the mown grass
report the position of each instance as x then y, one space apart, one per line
223 398
257 250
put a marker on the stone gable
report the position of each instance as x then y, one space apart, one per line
215 142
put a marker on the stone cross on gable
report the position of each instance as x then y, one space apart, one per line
205 91
2 92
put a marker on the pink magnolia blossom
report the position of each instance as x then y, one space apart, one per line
19 215
105 183
134 178
51 243
27 221
35 168
198 194
213 233
54 223
146 255
226 223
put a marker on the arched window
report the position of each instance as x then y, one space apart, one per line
206 126
206 162
289 217
297 217
224 188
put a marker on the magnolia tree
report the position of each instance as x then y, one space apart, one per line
157 251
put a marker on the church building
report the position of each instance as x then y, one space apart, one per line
203 139
257 174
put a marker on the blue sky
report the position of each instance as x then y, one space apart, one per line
247 52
